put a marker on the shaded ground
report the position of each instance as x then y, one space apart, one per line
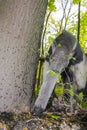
50 120
59 116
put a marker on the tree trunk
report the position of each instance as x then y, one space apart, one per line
21 24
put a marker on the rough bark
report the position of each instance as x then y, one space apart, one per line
21 23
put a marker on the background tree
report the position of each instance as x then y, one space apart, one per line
64 15
21 24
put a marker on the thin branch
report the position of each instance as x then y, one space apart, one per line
78 34
54 28
41 60
43 35
64 13
68 15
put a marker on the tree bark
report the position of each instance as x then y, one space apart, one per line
21 24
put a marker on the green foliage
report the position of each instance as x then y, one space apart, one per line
79 97
59 45
70 90
50 39
51 5
52 116
81 100
52 73
84 104
83 28
76 1
59 78
59 91
71 22
38 79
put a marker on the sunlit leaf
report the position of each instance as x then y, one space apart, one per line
76 1
80 96
59 91
70 91
59 45
54 117
51 5
52 73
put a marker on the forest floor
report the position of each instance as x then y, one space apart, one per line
54 118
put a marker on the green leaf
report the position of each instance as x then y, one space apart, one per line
84 104
52 73
50 40
76 1
51 5
54 117
80 96
70 91
59 45
59 91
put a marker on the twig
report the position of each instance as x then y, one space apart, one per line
78 34
42 52
43 35
64 10
68 15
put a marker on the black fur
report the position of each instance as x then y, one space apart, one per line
77 57
67 74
